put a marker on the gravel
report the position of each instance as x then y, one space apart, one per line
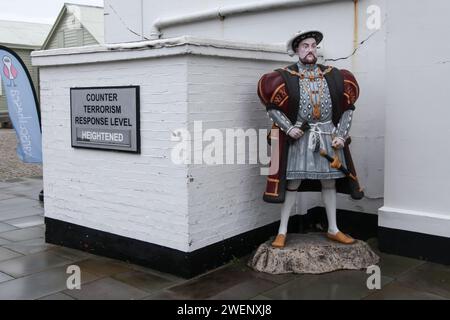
10 165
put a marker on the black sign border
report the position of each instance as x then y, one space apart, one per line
138 119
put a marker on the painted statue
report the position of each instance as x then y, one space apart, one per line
312 105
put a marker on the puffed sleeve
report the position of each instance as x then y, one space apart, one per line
273 94
272 91
351 90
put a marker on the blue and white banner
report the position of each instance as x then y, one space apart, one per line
22 106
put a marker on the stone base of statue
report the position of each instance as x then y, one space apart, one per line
312 253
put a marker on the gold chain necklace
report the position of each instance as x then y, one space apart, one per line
301 75
316 106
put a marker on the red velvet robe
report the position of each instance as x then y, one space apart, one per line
280 90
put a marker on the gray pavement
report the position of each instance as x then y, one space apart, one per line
32 269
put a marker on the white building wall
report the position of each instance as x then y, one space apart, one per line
369 66
226 200
417 179
142 196
124 19
344 26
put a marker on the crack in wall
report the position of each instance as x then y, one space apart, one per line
126 26
356 49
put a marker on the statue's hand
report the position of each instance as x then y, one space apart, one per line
338 143
296 133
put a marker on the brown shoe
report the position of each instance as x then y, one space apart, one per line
340 237
279 241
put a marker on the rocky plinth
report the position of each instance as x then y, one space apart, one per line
312 253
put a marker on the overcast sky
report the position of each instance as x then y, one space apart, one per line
44 11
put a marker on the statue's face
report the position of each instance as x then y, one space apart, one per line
307 51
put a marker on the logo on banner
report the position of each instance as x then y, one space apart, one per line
9 71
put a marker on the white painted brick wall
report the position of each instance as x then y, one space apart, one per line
146 196
138 196
226 200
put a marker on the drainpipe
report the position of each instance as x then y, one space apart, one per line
355 29
142 20
222 12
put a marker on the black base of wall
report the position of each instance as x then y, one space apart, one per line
189 264
182 264
362 226
414 245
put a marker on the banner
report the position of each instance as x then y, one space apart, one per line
22 106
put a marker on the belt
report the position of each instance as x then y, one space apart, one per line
315 141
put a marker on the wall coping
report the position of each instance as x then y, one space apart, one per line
186 45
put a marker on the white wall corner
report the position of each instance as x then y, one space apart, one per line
416 221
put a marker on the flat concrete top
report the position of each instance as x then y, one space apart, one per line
186 45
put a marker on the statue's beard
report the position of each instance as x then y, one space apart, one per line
307 60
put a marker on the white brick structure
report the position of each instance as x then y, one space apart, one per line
148 197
